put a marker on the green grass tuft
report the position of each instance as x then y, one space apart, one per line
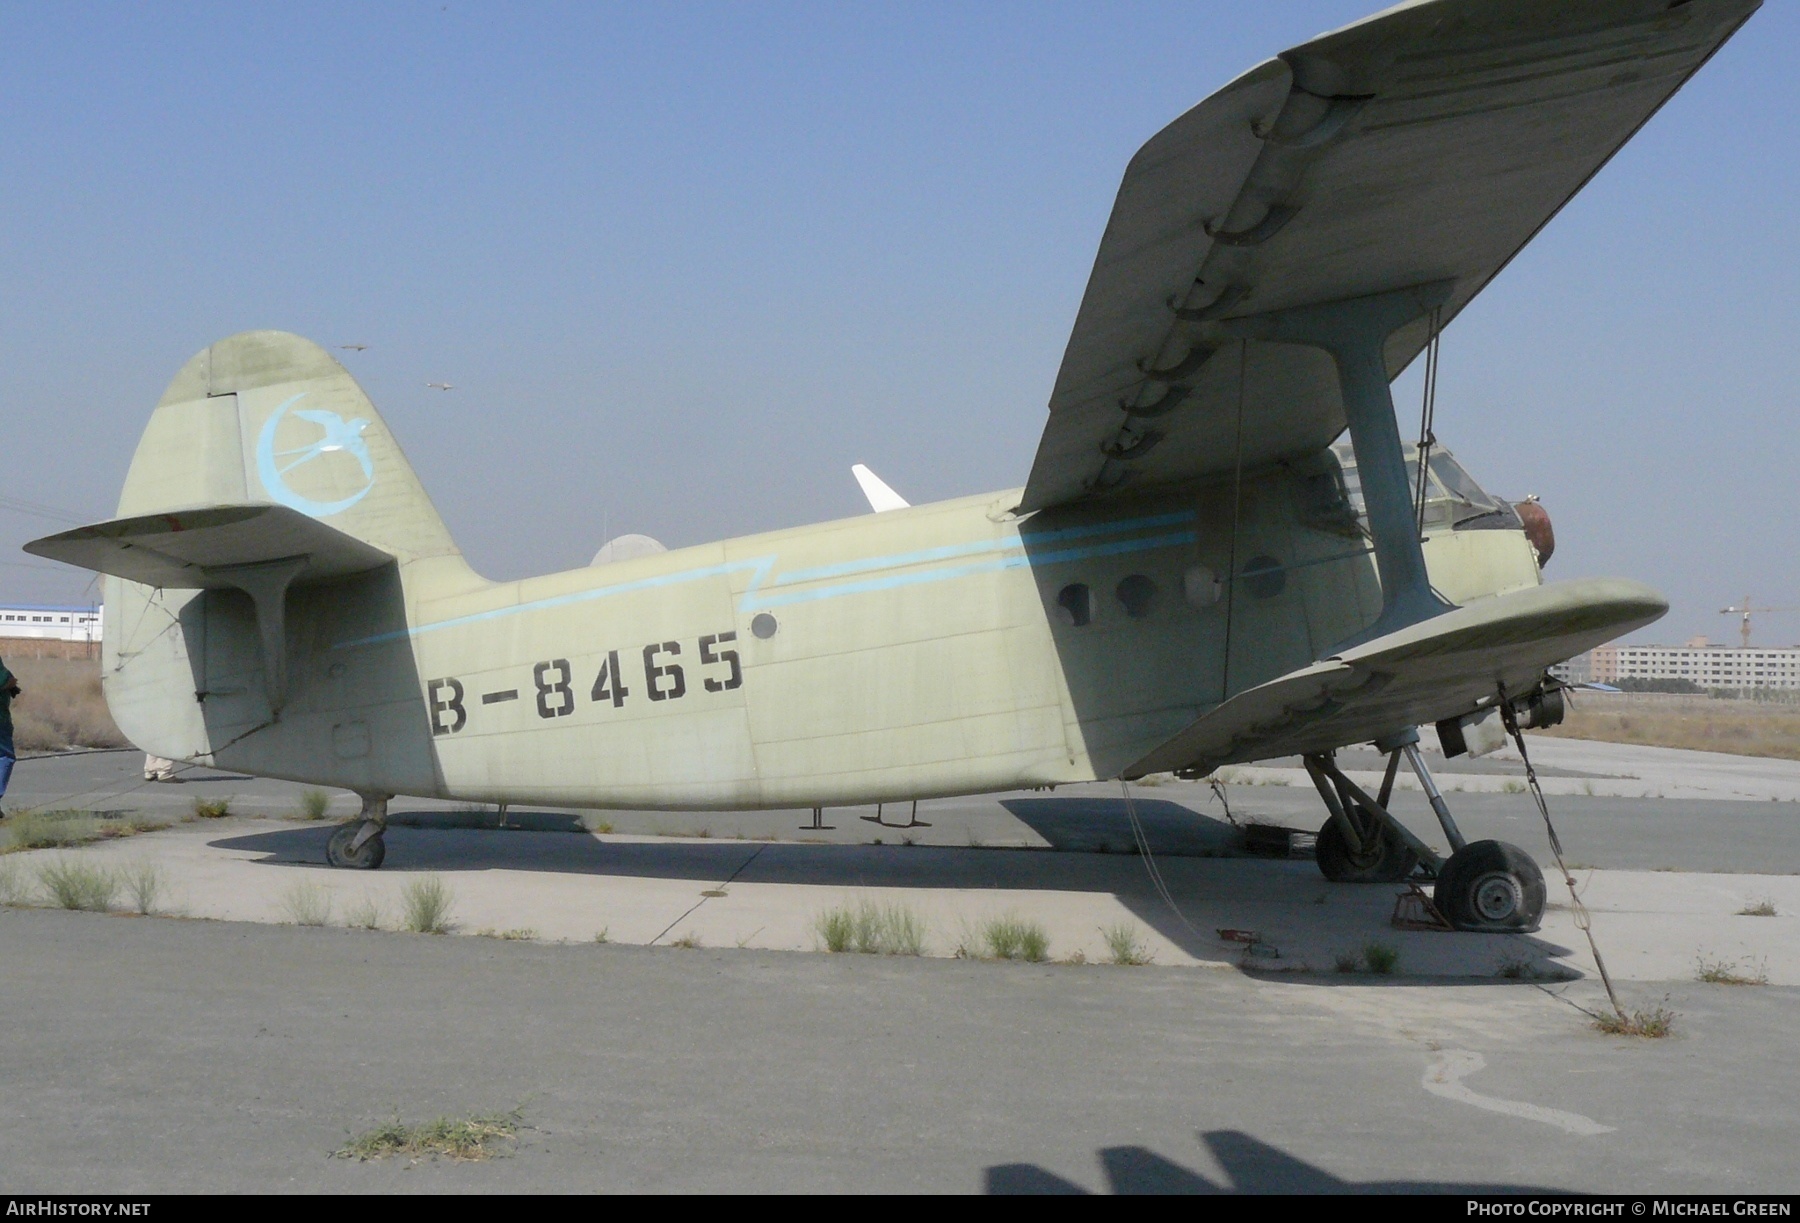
690 941
871 929
459 1138
1011 937
1381 958
212 808
144 884
65 829
307 904
365 914
79 885
426 903
12 883
314 804
1124 945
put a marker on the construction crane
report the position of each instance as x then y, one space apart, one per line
1744 612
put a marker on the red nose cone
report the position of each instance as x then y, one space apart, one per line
1537 529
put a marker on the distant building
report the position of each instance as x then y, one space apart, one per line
53 623
1577 670
1701 663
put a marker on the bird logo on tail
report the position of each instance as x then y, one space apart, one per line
336 435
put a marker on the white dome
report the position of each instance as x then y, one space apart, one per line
626 548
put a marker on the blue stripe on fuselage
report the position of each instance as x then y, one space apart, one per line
754 600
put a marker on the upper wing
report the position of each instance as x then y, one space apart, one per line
1426 143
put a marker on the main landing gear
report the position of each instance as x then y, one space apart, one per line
1484 886
358 845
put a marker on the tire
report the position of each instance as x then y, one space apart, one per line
1389 861
1491 887
367 858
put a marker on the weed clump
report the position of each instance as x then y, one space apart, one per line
689 941
307 904
212 808
53 829
1346 961
144 884
1758 908
365 914
1652 1024
427 902
1010 937
458 1138
12 887
871 929
79 885
1515 967
314 804
1729 972
1124 945
1382 958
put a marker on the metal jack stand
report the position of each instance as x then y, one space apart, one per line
818 824
913 822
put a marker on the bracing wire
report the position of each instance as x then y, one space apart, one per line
1584 920
1143 844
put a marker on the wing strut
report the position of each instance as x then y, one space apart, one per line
1353 332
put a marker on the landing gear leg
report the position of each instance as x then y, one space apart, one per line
1485 886
1361 842
358 845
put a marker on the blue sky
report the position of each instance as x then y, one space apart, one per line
685 263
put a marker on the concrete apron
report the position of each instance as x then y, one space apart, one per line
574 887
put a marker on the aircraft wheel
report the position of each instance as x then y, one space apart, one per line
1388 861
1492 887
365 857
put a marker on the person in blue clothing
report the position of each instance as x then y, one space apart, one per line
9 688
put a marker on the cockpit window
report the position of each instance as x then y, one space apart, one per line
1452 498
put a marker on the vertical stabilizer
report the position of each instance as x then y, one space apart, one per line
266 417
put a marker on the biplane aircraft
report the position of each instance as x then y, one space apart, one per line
1196 572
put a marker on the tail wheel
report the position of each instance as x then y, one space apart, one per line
1492 887
1387 860
342 851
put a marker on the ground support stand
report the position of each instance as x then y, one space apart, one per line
913 822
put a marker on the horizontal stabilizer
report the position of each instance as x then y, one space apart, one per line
1436 669
207 548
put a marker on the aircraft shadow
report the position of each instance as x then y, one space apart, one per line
1211 891
1252 1166
1103 825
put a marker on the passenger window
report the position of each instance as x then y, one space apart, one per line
1136 594
1265 577
1077 604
